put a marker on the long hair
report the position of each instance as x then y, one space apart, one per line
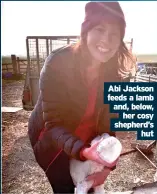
124 61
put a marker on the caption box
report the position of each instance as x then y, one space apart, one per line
136 104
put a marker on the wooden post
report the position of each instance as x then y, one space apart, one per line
68 40
13 58
131 46
47 47
18 65
51 45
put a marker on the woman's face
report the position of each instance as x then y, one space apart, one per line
103 41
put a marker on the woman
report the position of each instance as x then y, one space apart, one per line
70 110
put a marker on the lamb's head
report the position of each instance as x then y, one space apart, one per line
109 149
98 138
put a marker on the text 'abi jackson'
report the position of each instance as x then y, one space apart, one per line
130 89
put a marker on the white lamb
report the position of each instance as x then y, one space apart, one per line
109 150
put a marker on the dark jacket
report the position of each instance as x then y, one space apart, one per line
61 104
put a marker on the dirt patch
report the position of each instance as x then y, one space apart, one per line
21 173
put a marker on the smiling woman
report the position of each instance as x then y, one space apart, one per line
70 112
104 40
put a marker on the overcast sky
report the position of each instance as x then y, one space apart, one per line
38 18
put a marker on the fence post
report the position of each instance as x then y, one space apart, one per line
68 40
13 58
18 65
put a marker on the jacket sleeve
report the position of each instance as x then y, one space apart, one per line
53 89
35 123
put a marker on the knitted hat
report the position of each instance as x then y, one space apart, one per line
98 11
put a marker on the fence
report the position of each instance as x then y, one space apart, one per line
14 65
145 78
39 47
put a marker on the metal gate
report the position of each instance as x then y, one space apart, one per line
38 48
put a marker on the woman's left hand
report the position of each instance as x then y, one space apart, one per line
99 178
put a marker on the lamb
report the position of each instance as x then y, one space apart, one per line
109 150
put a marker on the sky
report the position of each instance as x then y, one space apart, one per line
39 18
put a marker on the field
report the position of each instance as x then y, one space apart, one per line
21 173
140 58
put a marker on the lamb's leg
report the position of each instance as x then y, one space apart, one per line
99 189
83 187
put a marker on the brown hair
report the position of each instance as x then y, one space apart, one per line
125 61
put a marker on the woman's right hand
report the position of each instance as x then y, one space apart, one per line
91 154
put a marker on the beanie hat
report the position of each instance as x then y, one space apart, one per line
98 11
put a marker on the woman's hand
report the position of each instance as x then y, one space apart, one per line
91 154
99 178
